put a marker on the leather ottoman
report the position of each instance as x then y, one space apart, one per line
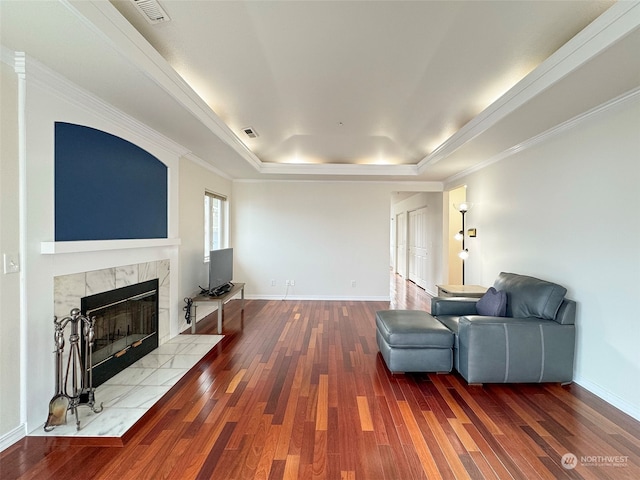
413 341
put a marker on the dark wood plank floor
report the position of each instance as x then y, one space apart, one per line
297 389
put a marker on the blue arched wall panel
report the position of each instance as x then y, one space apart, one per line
106 188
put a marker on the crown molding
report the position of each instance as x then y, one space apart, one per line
197 160
56 84
615 23
398 185
106 22
548 134
338 169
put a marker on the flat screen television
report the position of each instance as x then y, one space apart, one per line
220 271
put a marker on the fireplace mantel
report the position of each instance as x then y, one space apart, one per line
52 248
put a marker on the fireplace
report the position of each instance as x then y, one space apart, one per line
126 327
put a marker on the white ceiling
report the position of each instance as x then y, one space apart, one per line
401 77
385 90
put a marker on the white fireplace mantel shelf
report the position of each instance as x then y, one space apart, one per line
53 248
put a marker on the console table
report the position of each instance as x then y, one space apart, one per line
475 291
220 300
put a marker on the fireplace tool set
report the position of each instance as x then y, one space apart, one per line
78 366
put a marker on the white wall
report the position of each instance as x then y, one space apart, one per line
195 178
50 98
566 210
10 364
322 235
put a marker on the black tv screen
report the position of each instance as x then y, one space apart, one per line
220 269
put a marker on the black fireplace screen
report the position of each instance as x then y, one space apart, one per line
126 327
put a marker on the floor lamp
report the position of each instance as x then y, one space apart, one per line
463 208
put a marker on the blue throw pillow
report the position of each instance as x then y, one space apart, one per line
492 304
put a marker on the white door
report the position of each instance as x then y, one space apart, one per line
401 244
417 243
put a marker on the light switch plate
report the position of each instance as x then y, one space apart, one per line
11 262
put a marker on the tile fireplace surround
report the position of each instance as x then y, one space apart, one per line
69 289
131 393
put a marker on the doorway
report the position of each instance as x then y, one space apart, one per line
418 247
417 253
401 244
457 195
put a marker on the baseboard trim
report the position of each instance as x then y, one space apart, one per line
12 437
318 297
607 396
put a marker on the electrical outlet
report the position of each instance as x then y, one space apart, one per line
273 283
353 283
293 283
287 283
11 262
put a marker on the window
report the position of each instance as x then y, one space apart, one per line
215 214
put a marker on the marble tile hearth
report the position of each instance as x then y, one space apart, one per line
130 394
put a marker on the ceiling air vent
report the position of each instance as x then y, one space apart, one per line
151 10
250 132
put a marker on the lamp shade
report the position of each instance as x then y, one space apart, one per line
462 206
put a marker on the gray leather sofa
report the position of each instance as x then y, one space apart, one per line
534 342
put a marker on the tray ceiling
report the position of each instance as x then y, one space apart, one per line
379 90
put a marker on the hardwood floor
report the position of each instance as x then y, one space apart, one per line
297 389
